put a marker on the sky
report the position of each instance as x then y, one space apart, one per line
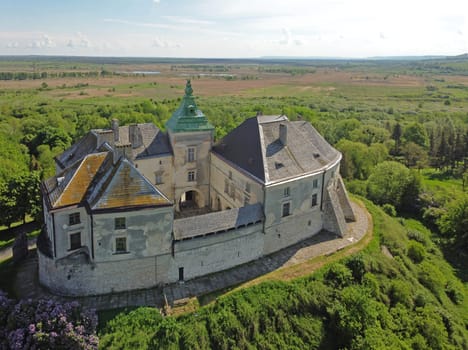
234 29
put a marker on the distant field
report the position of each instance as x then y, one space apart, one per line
407 87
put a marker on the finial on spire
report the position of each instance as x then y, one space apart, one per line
188 88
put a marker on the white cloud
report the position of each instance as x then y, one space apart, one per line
161 43
156 1
79 41
13 45
45 42
287 38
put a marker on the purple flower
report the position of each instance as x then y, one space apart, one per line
32 328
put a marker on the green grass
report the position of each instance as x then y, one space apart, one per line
9 242
397 302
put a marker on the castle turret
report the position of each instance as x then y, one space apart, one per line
191 138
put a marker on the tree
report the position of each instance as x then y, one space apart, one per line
358 159
454 221
414 155
19 197
396 135
417 134
393 183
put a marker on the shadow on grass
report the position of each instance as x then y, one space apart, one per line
458 258
10 233
7 275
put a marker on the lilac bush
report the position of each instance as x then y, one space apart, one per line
46 324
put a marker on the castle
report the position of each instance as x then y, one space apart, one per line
133 207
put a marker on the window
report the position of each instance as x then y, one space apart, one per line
230 175
246 200
158 179
286 192
74 219
314 199
121 245
286 209
191 176
233 192
226 186
315 183
190 154
119 223
181 274
75 240
247 187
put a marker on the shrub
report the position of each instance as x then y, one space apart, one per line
454 291
357 266
389 209
431 277
417 236
338 276
400 292
416 252
46 324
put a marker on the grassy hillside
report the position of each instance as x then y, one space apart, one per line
398 293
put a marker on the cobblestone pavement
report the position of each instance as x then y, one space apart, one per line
324 243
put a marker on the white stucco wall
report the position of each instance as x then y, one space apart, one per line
162 165
243 184
148 232
202 142
59 229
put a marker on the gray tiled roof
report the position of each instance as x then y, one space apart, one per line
154 141
86 145
218 222
255 146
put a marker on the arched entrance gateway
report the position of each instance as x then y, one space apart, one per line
190 200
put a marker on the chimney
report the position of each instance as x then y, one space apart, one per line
115 129
134 135
283 134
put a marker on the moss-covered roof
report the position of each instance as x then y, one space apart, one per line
188 117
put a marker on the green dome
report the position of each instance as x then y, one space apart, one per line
188 117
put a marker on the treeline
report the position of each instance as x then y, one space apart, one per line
407 298
46 75
292 70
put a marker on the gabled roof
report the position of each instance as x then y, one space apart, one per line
86 145
125 187
256 147
188 118
151 142
243 147
154 142
101 184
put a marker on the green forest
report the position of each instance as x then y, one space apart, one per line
402 127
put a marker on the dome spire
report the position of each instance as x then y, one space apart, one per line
188 117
